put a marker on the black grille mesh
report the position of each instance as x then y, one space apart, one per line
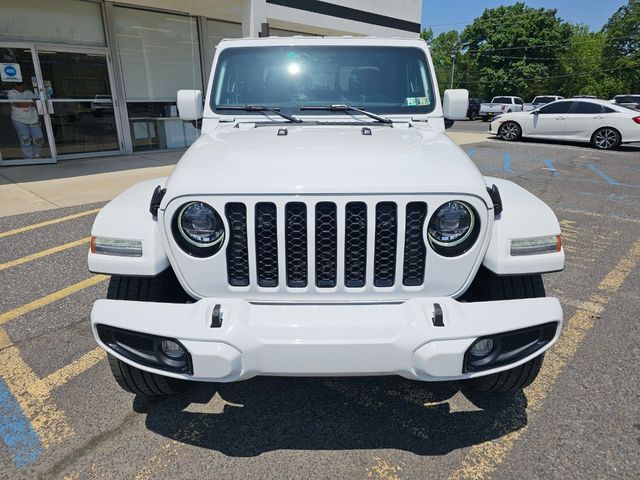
267 244
296 244
355 244
384 266
326 245
237 253
415 250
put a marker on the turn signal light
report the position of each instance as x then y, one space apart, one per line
116 246
536 245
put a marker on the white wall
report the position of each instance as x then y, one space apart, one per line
253 12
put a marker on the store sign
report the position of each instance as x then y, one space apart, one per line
10 72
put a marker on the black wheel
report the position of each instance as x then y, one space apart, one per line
606 138
163 288
473 115
488 286
510 131
485 119
139 382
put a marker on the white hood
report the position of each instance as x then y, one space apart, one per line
322 160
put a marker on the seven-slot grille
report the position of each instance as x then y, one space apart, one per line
297 243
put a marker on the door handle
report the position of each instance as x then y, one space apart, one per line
50 109
560 118
599 117
40 107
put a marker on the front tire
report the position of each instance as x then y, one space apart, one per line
139 382
606 138
488 286
163 288
510 131
508 381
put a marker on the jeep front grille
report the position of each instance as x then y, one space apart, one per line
237 252
415 249
355 244
326 244
332 256
267 244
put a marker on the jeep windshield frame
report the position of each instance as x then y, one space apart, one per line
383 80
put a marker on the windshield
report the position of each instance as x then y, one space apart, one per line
377 79
544 99
627 98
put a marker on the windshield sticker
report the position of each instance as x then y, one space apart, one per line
417 101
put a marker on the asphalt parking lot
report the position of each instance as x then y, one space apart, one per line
62 415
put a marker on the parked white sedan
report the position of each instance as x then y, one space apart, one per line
603 124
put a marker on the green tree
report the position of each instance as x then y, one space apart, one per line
622 47
446 49
513 50
584 69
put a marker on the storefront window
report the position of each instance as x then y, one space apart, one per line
159 54
59 21
156 126
217 30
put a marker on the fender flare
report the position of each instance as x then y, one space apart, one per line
524 216
128 217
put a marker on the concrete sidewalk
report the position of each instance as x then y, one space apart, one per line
34 188
68 183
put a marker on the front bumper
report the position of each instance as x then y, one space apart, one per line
348 339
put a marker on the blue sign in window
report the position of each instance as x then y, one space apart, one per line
10 71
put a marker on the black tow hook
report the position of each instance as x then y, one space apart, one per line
216 317
438 318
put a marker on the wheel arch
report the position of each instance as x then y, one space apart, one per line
600 127
128 217
524 216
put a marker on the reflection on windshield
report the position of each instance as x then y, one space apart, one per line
377 79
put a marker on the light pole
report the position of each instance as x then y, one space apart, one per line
453 66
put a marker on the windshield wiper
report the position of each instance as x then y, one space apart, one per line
260 108
348 108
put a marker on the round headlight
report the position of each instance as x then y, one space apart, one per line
454 224
199 229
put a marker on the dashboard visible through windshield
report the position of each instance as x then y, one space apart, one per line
385 80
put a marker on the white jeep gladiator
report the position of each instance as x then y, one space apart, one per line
324 225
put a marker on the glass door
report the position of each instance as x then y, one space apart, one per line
25 128
79 102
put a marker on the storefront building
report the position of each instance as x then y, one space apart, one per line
82 78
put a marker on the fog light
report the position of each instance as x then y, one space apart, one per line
172 349
482 347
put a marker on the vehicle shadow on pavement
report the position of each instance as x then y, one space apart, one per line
267 413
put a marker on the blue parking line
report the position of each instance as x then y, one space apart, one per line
506 163
16 431
551 168
602 175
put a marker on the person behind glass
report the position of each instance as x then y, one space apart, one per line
26 121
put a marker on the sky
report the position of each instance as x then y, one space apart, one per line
444 15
